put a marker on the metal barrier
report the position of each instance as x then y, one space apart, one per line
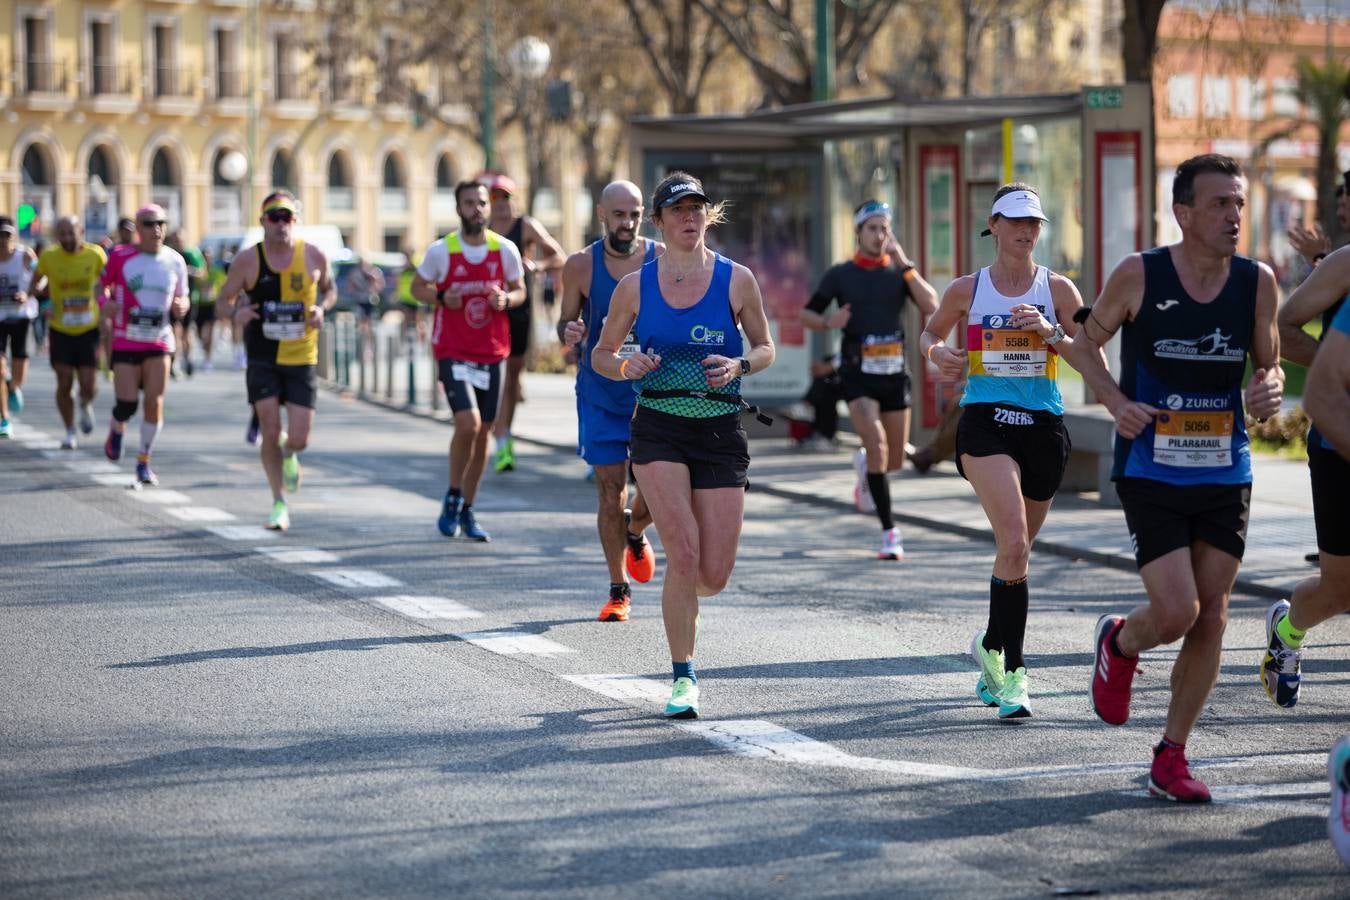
379 359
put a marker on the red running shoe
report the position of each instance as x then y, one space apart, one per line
615 609
1171 777
638 557
1112 674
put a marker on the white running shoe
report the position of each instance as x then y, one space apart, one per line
1338 820
69 443
87 417
862 494
891 548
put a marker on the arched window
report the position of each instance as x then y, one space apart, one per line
393 196
282 176
101 165
37 170
445 173
162 170
340 195
165 186
393 173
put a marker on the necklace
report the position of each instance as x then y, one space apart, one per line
681 276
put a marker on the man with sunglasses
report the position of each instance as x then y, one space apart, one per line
539 253
287 288
145 284
18 309
870 291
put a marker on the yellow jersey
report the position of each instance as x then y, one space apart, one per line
72 281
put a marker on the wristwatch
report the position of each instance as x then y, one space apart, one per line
745 365
1056 336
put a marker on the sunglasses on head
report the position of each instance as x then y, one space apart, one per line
279 215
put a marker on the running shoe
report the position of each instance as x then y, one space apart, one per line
291 472
683 702
638 557
991 670
1171 779
1112 674
1013 700
862 494
280 519
252 434
1338 820
505 460
469 526
891 548
616 609
144 475
15 399
69 442
1280 666
448 522
6 429
112 447
87 418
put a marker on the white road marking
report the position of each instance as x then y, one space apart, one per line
510 643
427 607
162 497
92 466
41 442
200 514
307 555
623 687
244 532
57 454
356 578
1306 796
113 479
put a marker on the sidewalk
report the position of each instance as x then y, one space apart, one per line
1280 533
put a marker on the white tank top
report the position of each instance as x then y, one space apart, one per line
14 277
1009 365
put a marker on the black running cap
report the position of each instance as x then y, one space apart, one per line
678 190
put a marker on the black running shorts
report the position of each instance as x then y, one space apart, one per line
891 391
1036 440
716 450
471 385
1331 497
136 357
79 351
1164 517
14 337
288 384
519 317
204 314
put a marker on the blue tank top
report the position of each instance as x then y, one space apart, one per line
683 338
1187 359
615 396
1328 317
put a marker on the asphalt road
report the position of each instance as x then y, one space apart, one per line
191 708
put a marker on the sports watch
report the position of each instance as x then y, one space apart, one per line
745 365
1056 336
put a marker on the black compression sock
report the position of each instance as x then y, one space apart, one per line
1009 601
880 489
619 589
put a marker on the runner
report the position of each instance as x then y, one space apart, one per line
1189 315
870 291
1011 445
147 282
539 253
471 277
182 326
605 407
72 268
689 451
18 309
287 288
205 315
1327 593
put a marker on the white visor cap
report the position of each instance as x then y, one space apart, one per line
1018 205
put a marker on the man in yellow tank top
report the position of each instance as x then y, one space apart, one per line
288 288
71 269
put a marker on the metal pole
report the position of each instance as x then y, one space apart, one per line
252 106
488 121
824 75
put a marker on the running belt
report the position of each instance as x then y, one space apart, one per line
736 400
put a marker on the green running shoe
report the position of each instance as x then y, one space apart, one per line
290 469
683 700
505 460
991 670
1013 702
280 519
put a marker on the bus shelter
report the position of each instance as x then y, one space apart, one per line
793 176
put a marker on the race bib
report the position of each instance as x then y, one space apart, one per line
9 309
472 374
146 326
1193 439
629 346
1011 353
77 311
883 354
284 321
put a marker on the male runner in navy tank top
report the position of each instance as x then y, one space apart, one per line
605 407
1189 315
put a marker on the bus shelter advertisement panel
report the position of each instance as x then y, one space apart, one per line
772 229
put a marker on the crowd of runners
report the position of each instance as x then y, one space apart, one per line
665 330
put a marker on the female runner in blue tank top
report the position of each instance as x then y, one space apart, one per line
689 451
1011 444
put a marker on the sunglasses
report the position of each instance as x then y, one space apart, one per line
279 215
151 223
499 195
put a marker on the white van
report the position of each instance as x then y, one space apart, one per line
326 237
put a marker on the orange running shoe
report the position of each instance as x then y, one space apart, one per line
639 559
615 609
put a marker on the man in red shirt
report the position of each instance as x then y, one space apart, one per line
471 277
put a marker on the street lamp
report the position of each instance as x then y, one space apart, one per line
529 57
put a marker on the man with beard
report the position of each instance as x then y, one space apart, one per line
471 277
605 407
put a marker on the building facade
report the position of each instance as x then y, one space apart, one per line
205 106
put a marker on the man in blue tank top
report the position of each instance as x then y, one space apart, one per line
1189 315
605 407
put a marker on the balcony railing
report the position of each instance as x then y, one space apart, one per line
43 76
107 79
293 86
393 200
172 81
229 83
340 198
345 89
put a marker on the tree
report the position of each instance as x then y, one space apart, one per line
1139 28
682 45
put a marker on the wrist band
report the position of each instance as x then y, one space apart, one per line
909 273
623 364
929 355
